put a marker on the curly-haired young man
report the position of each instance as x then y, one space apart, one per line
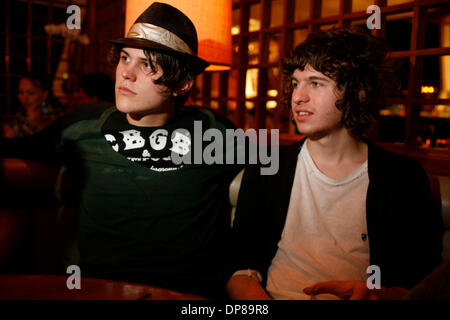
339 203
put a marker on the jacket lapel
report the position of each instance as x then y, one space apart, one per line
285 180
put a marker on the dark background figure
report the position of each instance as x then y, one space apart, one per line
38 107
96 87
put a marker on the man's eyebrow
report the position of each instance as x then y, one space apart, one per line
140 58
312 78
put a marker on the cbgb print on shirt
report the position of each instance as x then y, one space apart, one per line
151 147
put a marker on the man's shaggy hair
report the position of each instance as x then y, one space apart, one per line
175 68
356 61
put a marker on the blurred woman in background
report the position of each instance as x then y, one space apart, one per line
37 108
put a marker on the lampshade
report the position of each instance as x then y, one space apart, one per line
212 19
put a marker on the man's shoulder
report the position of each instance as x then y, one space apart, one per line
81 114
388 163
293 148
289 153
89 111
94 109
287 157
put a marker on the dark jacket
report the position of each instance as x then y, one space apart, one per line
405 232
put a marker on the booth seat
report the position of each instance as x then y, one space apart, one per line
38 222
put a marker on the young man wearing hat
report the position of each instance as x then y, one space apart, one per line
339 203
143 217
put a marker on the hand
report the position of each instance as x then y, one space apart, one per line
246 288
355 290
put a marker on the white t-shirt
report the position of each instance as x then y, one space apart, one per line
325 234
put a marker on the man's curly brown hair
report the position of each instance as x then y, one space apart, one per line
356 61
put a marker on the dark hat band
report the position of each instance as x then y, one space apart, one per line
159 35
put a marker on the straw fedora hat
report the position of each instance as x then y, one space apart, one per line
164 28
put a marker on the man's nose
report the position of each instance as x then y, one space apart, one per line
300 94
129 72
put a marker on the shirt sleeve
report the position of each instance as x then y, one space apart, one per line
249 273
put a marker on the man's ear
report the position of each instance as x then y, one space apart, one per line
183 87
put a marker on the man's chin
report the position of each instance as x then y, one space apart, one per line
123 107
312 135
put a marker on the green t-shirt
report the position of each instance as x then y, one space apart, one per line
148 221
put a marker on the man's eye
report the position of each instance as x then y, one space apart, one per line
316 84
147 65
294 84
124 58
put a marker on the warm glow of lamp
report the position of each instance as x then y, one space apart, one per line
212 19
272 92
271 104
427 89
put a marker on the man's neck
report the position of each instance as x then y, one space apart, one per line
337 155
150 120
154 118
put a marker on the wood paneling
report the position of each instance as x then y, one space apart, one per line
108 21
